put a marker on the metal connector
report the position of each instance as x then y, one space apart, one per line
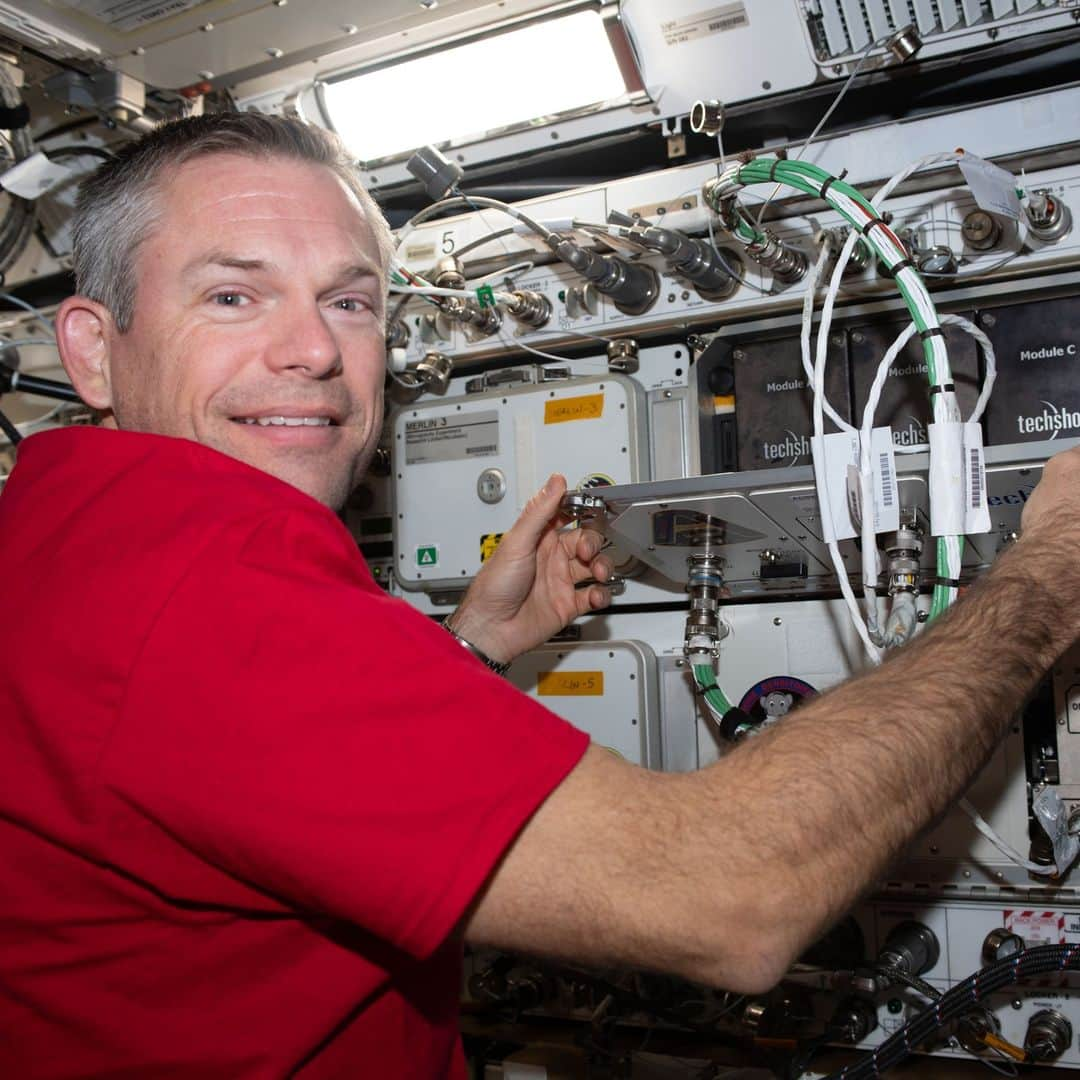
704 631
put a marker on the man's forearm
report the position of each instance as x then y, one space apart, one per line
834 792
725 875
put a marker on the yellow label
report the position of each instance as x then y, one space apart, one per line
488 543
586 407
570 684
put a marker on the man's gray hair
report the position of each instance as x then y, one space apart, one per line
119 204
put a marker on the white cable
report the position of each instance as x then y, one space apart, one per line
536 352
14 343
807 329
36 312
1003 846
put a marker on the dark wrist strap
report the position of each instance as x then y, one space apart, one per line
493 665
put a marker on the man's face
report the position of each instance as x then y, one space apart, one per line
258 325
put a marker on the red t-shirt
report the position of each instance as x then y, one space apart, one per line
245 796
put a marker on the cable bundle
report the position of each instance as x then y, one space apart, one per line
959 1000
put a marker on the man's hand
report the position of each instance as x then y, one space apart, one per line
1056 499
527 590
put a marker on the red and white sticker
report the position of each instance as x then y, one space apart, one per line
1037 927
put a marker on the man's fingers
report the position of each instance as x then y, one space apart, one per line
593 598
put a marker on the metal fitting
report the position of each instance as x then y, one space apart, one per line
695 260
705 584
449 273
583 506
1048 1036
622 354
787 264
1049 219
529 308
707 117
904 44
633 287
981 231
904 551
397 335
435 370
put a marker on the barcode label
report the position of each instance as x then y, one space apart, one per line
976 510
884 467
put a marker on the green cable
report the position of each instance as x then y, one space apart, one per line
705 678
810 179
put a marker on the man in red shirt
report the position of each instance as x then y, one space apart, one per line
251 805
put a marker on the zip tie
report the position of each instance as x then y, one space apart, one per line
944 388
948 582
871 223
903 264
829 183
933 331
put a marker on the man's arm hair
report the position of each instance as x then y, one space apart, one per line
725 875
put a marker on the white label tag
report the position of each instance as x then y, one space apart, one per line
947 487
994 189
34 176
976 512
837 457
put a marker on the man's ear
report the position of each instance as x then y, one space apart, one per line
84 332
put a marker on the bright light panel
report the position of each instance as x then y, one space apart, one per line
514 78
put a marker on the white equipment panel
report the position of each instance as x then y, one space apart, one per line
606 689
465 467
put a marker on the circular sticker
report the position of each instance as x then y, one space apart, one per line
774 697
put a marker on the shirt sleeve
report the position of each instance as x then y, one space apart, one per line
304 734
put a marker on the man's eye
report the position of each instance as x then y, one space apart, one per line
229 299
351 303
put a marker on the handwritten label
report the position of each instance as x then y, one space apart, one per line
586 407
570 684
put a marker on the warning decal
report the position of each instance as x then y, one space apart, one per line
1037 927
488 543
427 555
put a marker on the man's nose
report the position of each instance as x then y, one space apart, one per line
306 343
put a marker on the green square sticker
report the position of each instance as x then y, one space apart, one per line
427 555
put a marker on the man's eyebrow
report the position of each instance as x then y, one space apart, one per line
225 259
364 268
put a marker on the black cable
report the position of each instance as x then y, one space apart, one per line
10 430
956 1002
919 985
